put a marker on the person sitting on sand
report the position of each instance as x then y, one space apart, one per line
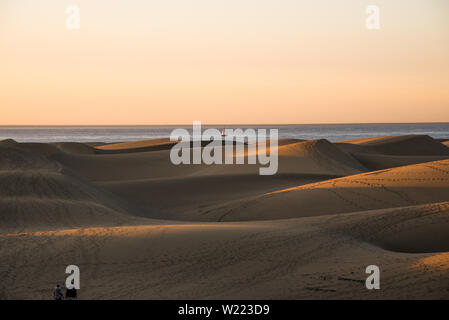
70 294
57 293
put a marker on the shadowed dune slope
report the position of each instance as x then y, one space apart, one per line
37 194
136 146
381 161
124 166
407 145
48 149
414 229
191 198
75 147
42 149
389 152
13 158
283 141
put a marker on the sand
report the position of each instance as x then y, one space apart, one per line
140 227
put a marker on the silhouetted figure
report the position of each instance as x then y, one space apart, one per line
70 294
57 293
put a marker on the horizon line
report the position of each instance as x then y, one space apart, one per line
216 124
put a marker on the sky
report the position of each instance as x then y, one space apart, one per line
223 62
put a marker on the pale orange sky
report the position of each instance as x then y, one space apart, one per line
228 61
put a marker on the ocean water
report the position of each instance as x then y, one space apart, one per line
332 132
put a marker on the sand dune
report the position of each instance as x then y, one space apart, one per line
74 147
48 149
38 194
397 187
281 141
124 166
389 152
13 158
192 198
312 157
369 140
7 142
413 229
318 157
137 146
42 149
319 257
140 227
409 145
381 161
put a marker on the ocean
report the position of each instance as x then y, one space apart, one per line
332 132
